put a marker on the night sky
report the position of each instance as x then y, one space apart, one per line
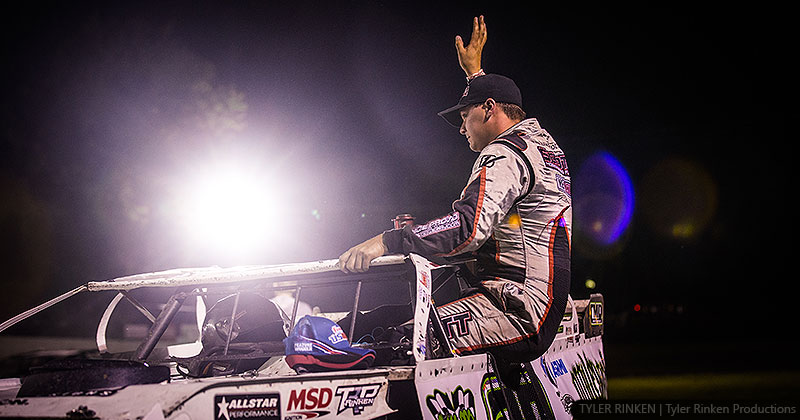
107 110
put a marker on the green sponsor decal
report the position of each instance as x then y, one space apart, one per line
589 377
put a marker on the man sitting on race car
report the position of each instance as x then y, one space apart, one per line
514 216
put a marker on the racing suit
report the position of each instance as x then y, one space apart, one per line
515 217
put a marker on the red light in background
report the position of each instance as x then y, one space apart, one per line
637 307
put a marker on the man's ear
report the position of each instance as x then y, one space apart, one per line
488 107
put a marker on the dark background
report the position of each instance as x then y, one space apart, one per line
105 105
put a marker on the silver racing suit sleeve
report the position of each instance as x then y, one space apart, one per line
499 178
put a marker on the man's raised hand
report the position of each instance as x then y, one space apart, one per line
469 57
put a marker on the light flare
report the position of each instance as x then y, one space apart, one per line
233 210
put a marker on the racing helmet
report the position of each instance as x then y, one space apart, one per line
257 320
256 330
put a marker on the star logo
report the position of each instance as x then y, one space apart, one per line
223 409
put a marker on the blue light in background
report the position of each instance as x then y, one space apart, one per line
604 199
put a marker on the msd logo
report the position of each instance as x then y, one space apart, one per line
308 403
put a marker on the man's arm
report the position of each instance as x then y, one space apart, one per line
358 258
469 57
499 178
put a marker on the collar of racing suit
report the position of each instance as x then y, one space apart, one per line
531 124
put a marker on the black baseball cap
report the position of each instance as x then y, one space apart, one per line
495 86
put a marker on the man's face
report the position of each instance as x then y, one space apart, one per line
473 127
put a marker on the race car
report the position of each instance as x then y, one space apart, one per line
253 359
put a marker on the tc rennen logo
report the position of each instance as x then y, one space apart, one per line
356 397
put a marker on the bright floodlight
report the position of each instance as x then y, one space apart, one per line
233 210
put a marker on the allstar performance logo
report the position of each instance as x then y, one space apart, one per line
247 406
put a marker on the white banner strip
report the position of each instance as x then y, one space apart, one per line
422 309
219 275
36 310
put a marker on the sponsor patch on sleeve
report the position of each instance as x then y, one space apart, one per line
564 185
488 160
555 160
451 221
